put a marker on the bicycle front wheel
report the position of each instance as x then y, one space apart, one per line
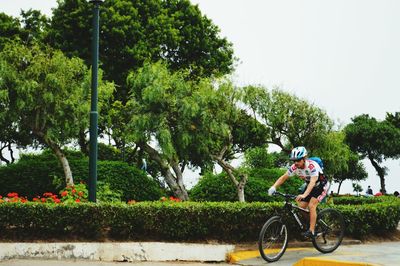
273 239
329 230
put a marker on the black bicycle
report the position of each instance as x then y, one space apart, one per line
273 238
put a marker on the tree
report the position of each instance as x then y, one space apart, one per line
163 108
31 27
47 95
394 119
290 120
354 172
180 123
242 133
10 30
136 31
357 188
374 140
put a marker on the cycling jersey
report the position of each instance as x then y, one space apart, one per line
311 169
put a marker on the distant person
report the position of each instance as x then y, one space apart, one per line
369 191
396 194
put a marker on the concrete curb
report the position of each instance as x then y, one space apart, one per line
127 251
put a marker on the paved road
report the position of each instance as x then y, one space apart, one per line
387 254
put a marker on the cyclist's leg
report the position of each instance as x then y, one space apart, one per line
316 195
304 205
312 206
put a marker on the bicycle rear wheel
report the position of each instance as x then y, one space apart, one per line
329 230
273 239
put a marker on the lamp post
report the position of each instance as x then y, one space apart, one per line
93 104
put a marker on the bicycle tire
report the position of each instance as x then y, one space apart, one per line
273 229
330 229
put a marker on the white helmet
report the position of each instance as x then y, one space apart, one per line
298 153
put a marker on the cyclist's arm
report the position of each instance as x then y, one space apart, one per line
311 185
281 180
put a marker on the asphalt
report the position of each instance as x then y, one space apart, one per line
386 253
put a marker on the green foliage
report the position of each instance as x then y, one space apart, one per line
375 140
220 188
106 194
291 121
352 200
357 188
10 29
109 153
259 157
366 219
47 95
169 221
143 30
33 176
74 194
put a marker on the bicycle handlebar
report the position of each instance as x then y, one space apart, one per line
287 196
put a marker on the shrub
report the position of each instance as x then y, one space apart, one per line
35 174
173 221
220 188
352 200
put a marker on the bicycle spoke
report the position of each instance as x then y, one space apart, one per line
329 229
273 240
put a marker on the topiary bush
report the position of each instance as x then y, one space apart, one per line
220 188
35 174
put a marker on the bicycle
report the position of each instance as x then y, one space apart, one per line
273 238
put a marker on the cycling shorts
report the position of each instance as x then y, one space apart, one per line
318 192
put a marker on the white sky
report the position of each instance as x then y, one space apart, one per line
342 55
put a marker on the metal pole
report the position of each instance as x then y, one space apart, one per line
93 109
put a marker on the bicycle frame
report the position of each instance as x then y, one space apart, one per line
289 206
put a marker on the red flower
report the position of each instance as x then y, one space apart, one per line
47 194
12 195
57 200
80 193
1 196
73 191
77 200
64 193
35 199
43 200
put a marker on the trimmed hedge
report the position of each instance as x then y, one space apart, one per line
34 175
352 200
158 221
220 188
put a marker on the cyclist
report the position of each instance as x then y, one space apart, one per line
317 184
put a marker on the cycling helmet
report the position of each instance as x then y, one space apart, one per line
298 153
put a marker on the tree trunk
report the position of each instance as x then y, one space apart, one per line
69 181
340 184
239 184
65 165
175 183
83 144
381 171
